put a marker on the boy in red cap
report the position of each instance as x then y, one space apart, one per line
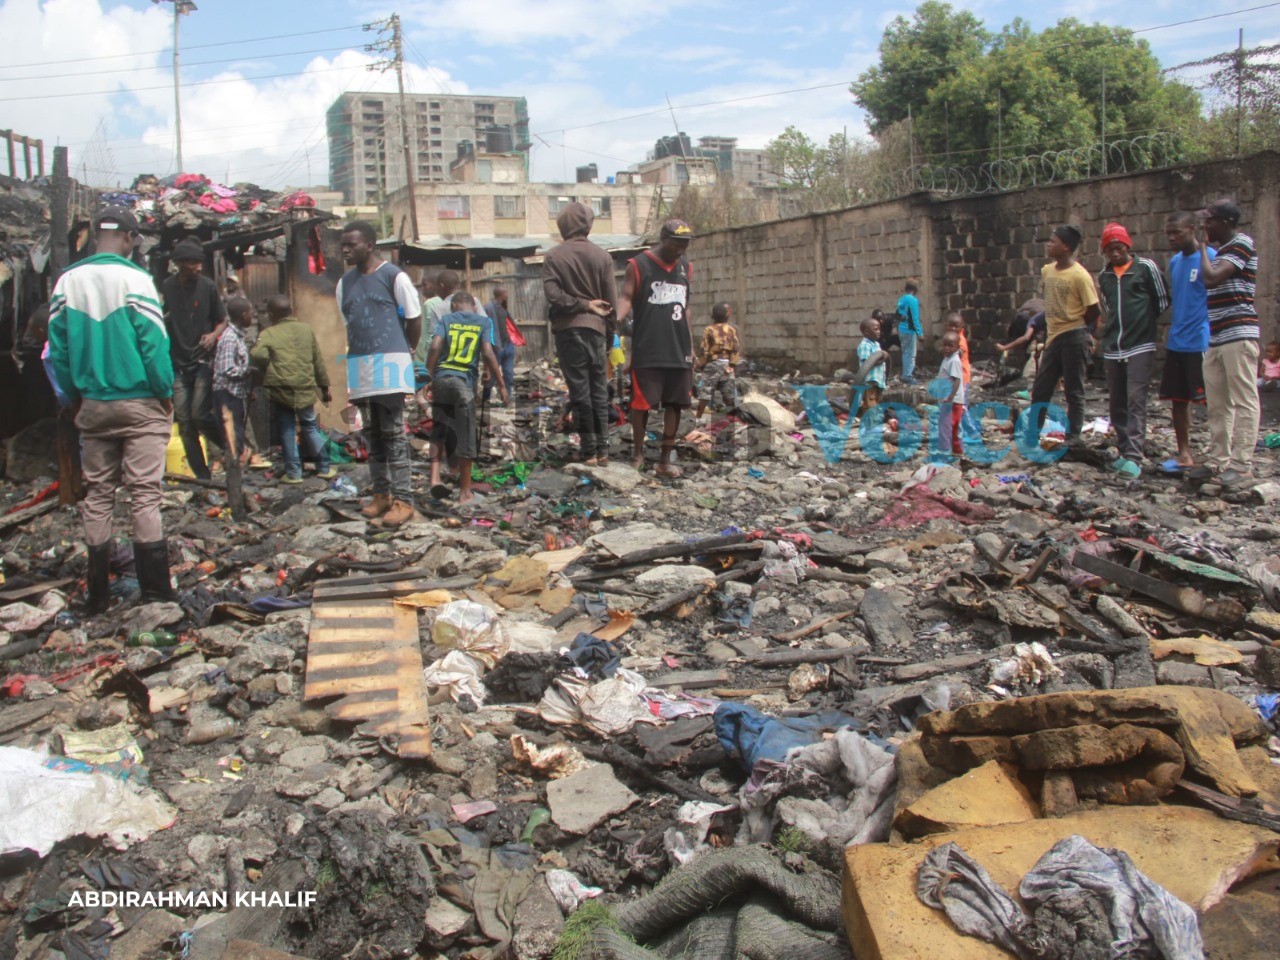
1134 294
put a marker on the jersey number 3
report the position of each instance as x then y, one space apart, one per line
677 313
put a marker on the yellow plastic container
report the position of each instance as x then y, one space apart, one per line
175 455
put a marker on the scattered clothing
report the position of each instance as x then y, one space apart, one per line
1085 901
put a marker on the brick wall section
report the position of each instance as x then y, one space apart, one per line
800 287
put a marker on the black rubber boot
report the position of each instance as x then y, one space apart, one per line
152 563
97 586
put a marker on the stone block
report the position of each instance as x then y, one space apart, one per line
583 801
986 796
1192 853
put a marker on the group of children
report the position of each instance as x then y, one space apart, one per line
1128 296
952 384
287 362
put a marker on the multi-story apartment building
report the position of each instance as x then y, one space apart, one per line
366 153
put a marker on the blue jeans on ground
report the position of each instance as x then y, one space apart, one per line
288 420
507 361
909 356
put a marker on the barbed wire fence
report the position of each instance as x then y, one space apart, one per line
1018 173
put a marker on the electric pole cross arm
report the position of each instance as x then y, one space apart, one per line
395 45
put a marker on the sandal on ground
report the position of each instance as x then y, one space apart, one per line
1172 468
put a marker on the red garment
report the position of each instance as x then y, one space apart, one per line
957 414
964 358
298 199
1113 232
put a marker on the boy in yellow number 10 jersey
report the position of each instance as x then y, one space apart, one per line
459 342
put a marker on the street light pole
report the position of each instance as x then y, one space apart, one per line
180 7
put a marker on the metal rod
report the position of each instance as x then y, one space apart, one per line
177 94
1104 119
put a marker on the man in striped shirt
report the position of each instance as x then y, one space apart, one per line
1232 358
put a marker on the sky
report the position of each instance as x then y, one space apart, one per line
603 80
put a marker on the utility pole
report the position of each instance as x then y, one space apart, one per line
1104 119
911 137
180 7
1239 92
999 124
396 46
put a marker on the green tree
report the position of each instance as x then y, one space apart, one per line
975 96
916 55
795 158
1243 91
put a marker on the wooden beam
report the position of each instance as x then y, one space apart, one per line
367 652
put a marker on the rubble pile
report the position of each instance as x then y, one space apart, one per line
760 710
187 202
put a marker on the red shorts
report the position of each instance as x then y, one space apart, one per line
653 387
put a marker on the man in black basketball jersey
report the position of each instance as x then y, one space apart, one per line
656 293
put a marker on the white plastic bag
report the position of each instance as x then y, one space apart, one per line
39 806
469 626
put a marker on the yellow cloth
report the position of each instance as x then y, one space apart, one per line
1067 295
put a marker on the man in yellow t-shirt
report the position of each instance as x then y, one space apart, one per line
1071 310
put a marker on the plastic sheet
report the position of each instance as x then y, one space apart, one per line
40 806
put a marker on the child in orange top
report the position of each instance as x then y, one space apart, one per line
968 426
955 324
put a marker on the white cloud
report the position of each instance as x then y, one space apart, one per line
517 22
269 130
75 93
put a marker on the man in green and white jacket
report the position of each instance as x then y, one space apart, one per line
110 354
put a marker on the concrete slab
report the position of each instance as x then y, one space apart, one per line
987 796
1192 853
582 802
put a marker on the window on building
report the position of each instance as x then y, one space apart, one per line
435 131
601 206
435 118
435 104
556 204
484 171
508 208
453 208
435 143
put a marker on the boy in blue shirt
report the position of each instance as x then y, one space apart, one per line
460 341
909 328
1183 380
872 363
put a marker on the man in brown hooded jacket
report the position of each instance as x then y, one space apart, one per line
578 279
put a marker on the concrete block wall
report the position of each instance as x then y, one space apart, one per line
800 287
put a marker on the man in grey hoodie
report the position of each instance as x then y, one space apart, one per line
579 283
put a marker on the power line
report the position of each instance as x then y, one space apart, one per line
1213 16
694 106
194 46
197 83
198 63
